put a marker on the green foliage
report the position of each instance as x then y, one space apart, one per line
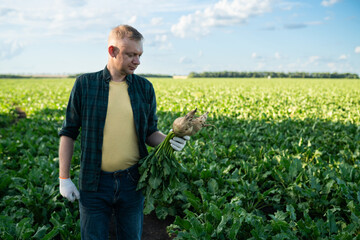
159 179
283 163
31 206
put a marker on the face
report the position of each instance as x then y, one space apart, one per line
126 56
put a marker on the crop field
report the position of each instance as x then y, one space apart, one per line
282 162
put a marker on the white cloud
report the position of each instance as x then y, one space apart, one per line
260 66
51 19
313 59
287 6
223 13
161 38
156 21
310 62
327 3
10 49
259 58
75 3
332 66
357 49
185 60
132 20
163 42
6 11
277 55
343 57
69 17
159 41
86 20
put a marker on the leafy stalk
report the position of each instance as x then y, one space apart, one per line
159 175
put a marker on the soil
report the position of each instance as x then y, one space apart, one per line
153 228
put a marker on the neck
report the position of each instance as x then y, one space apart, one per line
115 75
118 78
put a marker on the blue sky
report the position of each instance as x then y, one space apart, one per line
182 36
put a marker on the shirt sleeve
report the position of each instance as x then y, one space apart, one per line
72 123
153 119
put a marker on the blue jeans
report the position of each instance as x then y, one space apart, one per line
116 193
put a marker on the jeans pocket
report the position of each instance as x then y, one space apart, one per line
134 176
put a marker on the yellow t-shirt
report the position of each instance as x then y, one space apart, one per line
120 145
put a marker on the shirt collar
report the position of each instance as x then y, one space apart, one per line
129 78
107 76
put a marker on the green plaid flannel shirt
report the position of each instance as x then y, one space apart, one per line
86 111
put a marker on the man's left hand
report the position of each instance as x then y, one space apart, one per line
178 143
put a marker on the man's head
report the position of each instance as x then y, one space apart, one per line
124 48
125 31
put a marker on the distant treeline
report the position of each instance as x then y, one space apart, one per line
13 76
226 74
145 75
142 74
78 74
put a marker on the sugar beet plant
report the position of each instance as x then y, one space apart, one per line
160 171
283 163
30 205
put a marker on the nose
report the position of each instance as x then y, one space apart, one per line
136 60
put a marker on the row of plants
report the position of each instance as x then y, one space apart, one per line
282 162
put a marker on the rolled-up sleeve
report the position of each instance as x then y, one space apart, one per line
72 123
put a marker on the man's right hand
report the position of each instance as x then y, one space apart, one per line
68 189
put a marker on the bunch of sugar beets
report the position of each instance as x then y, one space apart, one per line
159 170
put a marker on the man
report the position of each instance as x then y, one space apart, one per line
116 112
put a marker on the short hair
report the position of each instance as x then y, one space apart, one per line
125 31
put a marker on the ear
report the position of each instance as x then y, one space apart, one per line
112 50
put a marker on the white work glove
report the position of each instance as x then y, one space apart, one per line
178 143
68 189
